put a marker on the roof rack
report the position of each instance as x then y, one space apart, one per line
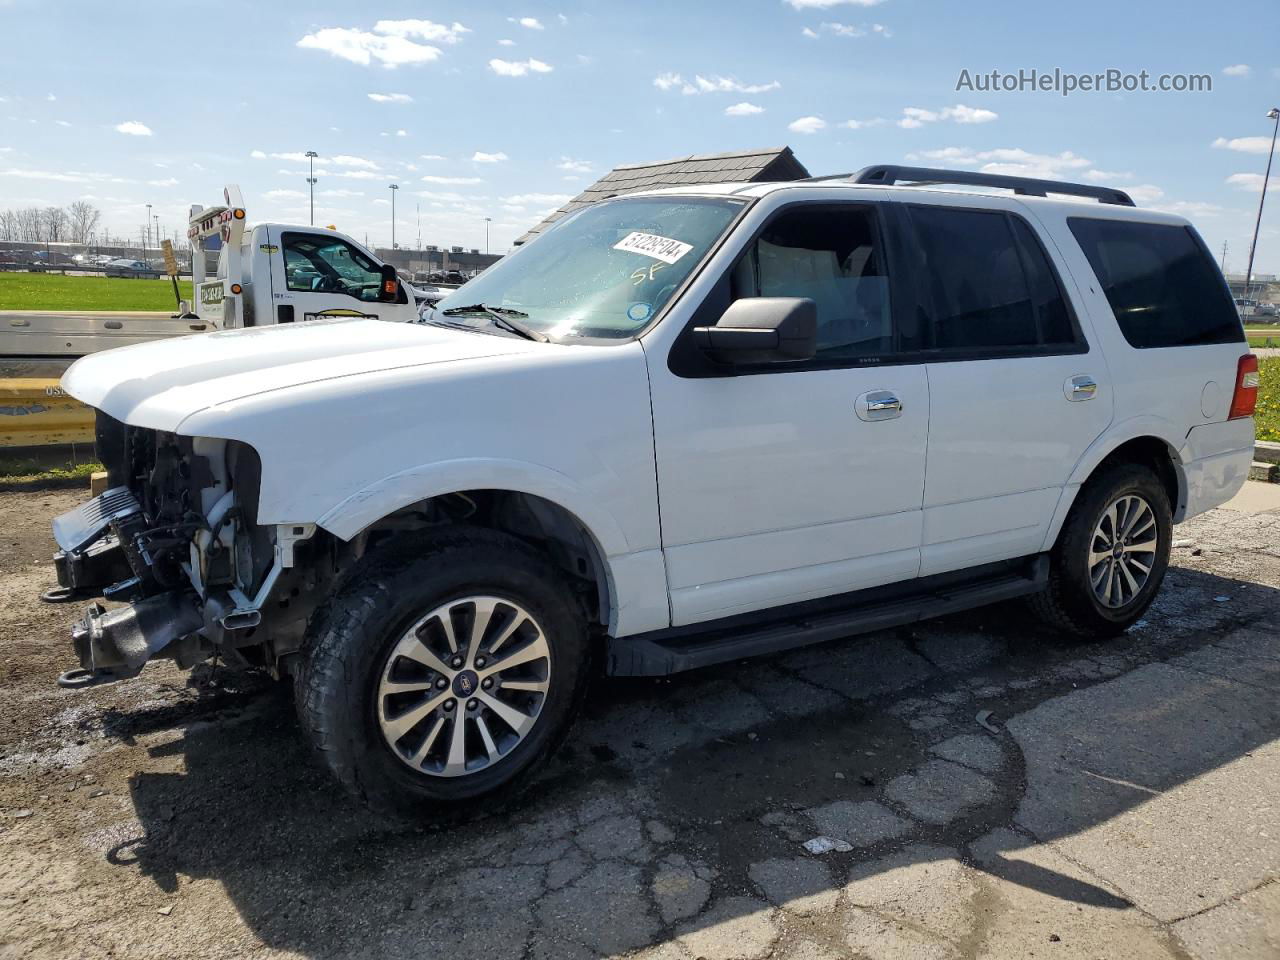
890 174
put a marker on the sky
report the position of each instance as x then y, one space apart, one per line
505 110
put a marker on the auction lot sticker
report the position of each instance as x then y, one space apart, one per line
652 245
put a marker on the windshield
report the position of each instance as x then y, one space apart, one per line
604 272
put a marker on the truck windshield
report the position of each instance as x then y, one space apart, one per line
603 272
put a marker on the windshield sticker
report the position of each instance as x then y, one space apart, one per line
639 312
652 245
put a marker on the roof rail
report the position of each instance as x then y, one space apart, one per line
890 174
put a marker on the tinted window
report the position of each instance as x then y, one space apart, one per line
319 264
1161 283
832 256
991 287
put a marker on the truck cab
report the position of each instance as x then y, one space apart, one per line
272 273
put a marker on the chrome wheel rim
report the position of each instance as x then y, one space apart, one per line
464 686
1122 552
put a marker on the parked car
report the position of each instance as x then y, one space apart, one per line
679 428
130 268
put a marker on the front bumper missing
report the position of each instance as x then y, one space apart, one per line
115 644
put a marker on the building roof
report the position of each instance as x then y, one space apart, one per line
740 166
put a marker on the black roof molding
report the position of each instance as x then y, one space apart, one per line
889 174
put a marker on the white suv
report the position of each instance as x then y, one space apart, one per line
679 428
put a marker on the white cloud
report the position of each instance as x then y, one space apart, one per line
133 128
810 33
717 84
913 117
1106 176
344 160
665 81
1011 161
742 109
1191 209
537 199
1237 70
574 166
430 156
451 180
529 23
69 176
1251 181
807 125
1145 193
51 98
166 182
843 29
828 4
481 157
402 133
341 193
863 124
392 43
518 68
390 98
62 123
355 175
1244 144
285 195
506 43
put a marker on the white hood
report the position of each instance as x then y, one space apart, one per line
160 384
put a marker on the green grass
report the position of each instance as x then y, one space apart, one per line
27 472
1267 416
52 291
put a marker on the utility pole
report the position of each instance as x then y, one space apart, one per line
487 221
146 240
1224 258
1272 114
311 181
394 188
157 220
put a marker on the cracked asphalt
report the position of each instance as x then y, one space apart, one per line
974 787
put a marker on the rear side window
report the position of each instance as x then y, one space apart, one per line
1161 282
992 290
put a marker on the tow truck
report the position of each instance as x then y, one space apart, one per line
283 273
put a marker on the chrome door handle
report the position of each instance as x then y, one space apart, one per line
1082 387
878 405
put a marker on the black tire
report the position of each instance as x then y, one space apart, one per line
1069 602
351 638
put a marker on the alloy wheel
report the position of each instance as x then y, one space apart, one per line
1122 551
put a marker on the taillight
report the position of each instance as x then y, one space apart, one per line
1245 399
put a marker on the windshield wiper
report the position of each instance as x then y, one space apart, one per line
503 317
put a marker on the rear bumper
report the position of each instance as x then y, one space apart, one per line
1216 463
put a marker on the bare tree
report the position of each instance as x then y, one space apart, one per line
30 225
55 224
84 218
9 225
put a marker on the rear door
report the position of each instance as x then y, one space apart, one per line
1018 391
318 274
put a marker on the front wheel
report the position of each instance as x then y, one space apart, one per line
446 670
1111 556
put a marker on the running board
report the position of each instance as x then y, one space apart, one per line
664 652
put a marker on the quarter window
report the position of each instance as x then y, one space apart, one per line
1161 282
318 264
991 289
833 256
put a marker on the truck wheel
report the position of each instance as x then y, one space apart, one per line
444 671
1111 556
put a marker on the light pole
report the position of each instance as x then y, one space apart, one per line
157 234
1272 114
487 221
394 188
146 241
311 180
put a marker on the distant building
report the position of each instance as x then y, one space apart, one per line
747 166
434 260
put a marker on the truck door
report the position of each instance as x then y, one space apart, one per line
318 273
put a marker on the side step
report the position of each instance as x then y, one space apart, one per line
664 652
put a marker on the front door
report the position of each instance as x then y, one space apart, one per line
318 274
784 483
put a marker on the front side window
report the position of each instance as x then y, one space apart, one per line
1161 282
990 287
832 256
604 272
319 264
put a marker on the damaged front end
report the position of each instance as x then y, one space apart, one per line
175 538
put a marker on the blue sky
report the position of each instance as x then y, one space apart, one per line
504 110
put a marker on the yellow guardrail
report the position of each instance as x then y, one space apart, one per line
36 411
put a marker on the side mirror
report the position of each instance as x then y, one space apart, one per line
762 330
389 290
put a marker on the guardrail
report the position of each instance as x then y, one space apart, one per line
36 411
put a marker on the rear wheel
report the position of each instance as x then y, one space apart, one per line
446 670
1111 556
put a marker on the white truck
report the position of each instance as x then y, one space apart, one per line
679 428
284 273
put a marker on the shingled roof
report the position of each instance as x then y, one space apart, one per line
760 166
